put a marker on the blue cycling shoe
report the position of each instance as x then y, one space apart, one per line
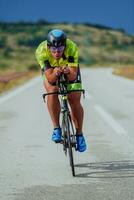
56 136
81 144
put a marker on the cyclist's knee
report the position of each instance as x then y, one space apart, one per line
74 97
49 87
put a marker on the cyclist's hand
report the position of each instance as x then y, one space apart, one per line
65 70
57 71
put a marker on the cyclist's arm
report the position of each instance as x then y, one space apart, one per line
71 72
72 60
52 74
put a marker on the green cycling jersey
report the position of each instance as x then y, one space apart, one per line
69 57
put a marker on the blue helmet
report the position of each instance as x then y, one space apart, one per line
56 38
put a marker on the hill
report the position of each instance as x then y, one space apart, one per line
98 45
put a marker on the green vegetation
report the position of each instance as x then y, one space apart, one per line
98 45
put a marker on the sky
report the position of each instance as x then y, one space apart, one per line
112 13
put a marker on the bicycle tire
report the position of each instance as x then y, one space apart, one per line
64 138
70 151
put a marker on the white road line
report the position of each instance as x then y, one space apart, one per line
15 92
108 118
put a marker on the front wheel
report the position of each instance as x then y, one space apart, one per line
69 142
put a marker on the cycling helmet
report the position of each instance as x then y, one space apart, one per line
56 38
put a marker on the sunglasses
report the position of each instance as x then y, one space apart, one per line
59 49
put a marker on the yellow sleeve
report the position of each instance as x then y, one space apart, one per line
41 54
73 54
75 62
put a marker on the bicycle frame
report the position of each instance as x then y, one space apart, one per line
68 135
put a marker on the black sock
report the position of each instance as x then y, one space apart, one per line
57 128
79 135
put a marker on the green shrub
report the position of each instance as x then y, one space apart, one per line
3 40
32 41
7 52
33 67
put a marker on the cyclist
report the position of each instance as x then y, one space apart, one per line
57 55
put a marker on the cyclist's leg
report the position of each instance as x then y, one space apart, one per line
53 103
75 121
78 113
77 110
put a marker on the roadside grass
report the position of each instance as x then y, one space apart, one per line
6 85
125 71
17 69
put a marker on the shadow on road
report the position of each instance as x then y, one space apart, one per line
108 169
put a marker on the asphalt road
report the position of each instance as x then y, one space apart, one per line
34 168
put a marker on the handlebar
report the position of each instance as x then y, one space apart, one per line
62 93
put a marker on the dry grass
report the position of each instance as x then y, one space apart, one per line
16 81
125 71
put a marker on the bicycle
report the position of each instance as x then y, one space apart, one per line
68 133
